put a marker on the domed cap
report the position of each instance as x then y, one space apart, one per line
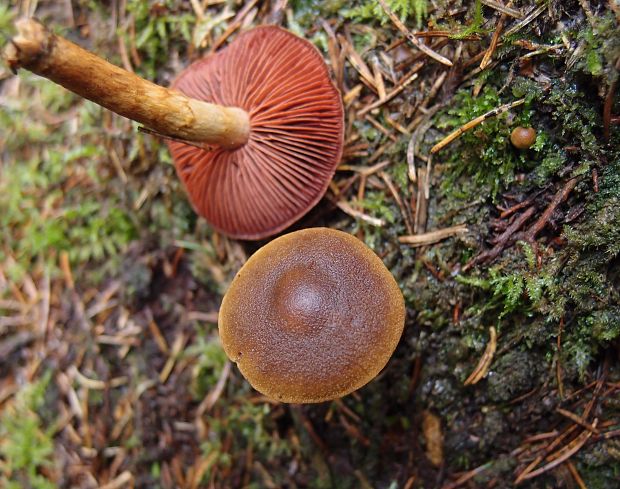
523 137
311 316
296 133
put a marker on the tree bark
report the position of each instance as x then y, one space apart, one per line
160 109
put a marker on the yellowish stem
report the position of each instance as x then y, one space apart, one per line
165 111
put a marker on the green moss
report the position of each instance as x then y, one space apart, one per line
158 28
371 10
588 282
600 467
475 26
244 424
210 362
577 286
531 294
26 446
41 217
599 47
485 153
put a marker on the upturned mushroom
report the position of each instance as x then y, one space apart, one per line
311 316
255 130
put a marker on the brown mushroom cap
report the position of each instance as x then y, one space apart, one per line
296 133
312 316
523 137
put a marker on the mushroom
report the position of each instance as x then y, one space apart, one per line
256 130
296 133
311 316
523 137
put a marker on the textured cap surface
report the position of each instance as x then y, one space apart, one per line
523 137
312 316
296 133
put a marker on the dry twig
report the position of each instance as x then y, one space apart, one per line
467 476
402 28
560 456
558 198
474 122
123 480
485 361
390 184
575 474
504 9
347 209
389 96
494 41
535 12
502 240
433 236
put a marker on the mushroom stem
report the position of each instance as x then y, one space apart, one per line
160 109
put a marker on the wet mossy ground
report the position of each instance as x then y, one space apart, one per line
554 300
125 228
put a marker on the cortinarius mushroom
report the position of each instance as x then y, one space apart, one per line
295 139
256 130
311 316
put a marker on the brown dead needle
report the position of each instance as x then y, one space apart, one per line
265 104
312 316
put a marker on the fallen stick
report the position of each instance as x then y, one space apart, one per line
409 35
474 122
433 236
558 198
